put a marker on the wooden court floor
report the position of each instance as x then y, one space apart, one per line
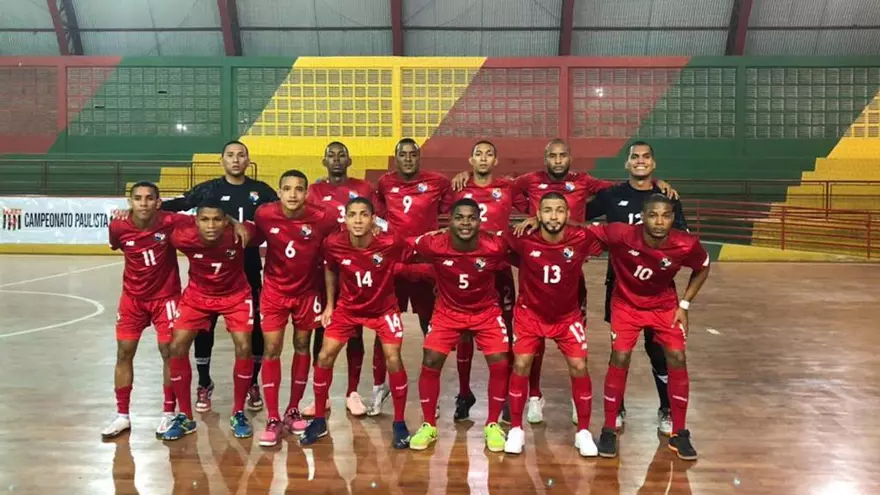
785 372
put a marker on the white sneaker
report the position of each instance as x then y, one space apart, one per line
380 395
516 438
535 412
574 413
167 421
583 441
664 421
116 427
621 419
355 405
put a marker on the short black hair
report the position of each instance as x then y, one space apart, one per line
235 141
144 183
484 141
465 202
553 195
209 203
657 198
405 141
640 143
360 201
293 173
336 143
556 141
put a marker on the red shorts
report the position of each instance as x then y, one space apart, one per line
419 294
344 325
304 311
134 315
531 330
195 311
490 332
627 323
506 289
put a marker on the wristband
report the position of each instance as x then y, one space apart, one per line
685 305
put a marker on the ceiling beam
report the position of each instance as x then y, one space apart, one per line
55 12
566 26
231 27
68 16
739 27
397 27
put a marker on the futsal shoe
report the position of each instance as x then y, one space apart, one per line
241 427
423 438
164 425
583 441
516 439
203 398
664 421
309 410
680 443
380 395
294 421
254 399
504 418
535 412
181 427
117 427
463 406
401 435
316 429
607 443
272 435
355 405
621 419
494 437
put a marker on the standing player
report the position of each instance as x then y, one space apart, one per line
646 258
239 196
150 291
332 195
550 265
623 204
362 261
292 290
497 197
465 261
217 287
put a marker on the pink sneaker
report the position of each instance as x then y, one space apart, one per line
272 435
254 400
309 410
203 398
355 405
294 421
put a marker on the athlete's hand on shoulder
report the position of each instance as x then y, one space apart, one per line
460 180
667 189
526 227
438 231
242 236
325 316
681 320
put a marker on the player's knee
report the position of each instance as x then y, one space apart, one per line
577 367
125 353
675 358
433 359
272 348
620 359
301 342
393 362
496 358
522 367
243 349
165 351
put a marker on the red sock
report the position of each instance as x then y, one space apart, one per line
321 384
516 398
123 399
355 363
299 377
271 383
398 393
464 356
679 394
582 393
379 367
535 375
429 392
242 374
181 382
169 402
615 386
498 379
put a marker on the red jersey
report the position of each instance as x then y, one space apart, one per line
576 187
213 270
151 270
334 197
293 252
645 275
366 276
413 206
465 280
497 201
548 273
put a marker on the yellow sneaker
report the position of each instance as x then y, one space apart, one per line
494 437
426 435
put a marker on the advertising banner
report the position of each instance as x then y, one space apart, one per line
67 221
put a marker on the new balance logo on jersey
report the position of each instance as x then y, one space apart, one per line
634 252
274 230
543 186
225 198
535 254
346 262
328 198
395 189
198 256
468 196
129 243
623 202
448 263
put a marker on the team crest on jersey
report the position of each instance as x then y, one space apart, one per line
255 196
496 194
230 253
665 263
568 253
378 259
479 264
569 186
159 237
306 230
352 195
422 187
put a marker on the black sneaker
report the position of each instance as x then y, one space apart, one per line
608 443
680 443
401 435
463 407
316 429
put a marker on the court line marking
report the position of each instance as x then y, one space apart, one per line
48 277
713 331
99 309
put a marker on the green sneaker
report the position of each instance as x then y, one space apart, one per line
426 435
494 437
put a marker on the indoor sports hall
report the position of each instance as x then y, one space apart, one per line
763 116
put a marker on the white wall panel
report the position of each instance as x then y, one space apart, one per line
487 13
481 44
29 44
153 44
314 43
